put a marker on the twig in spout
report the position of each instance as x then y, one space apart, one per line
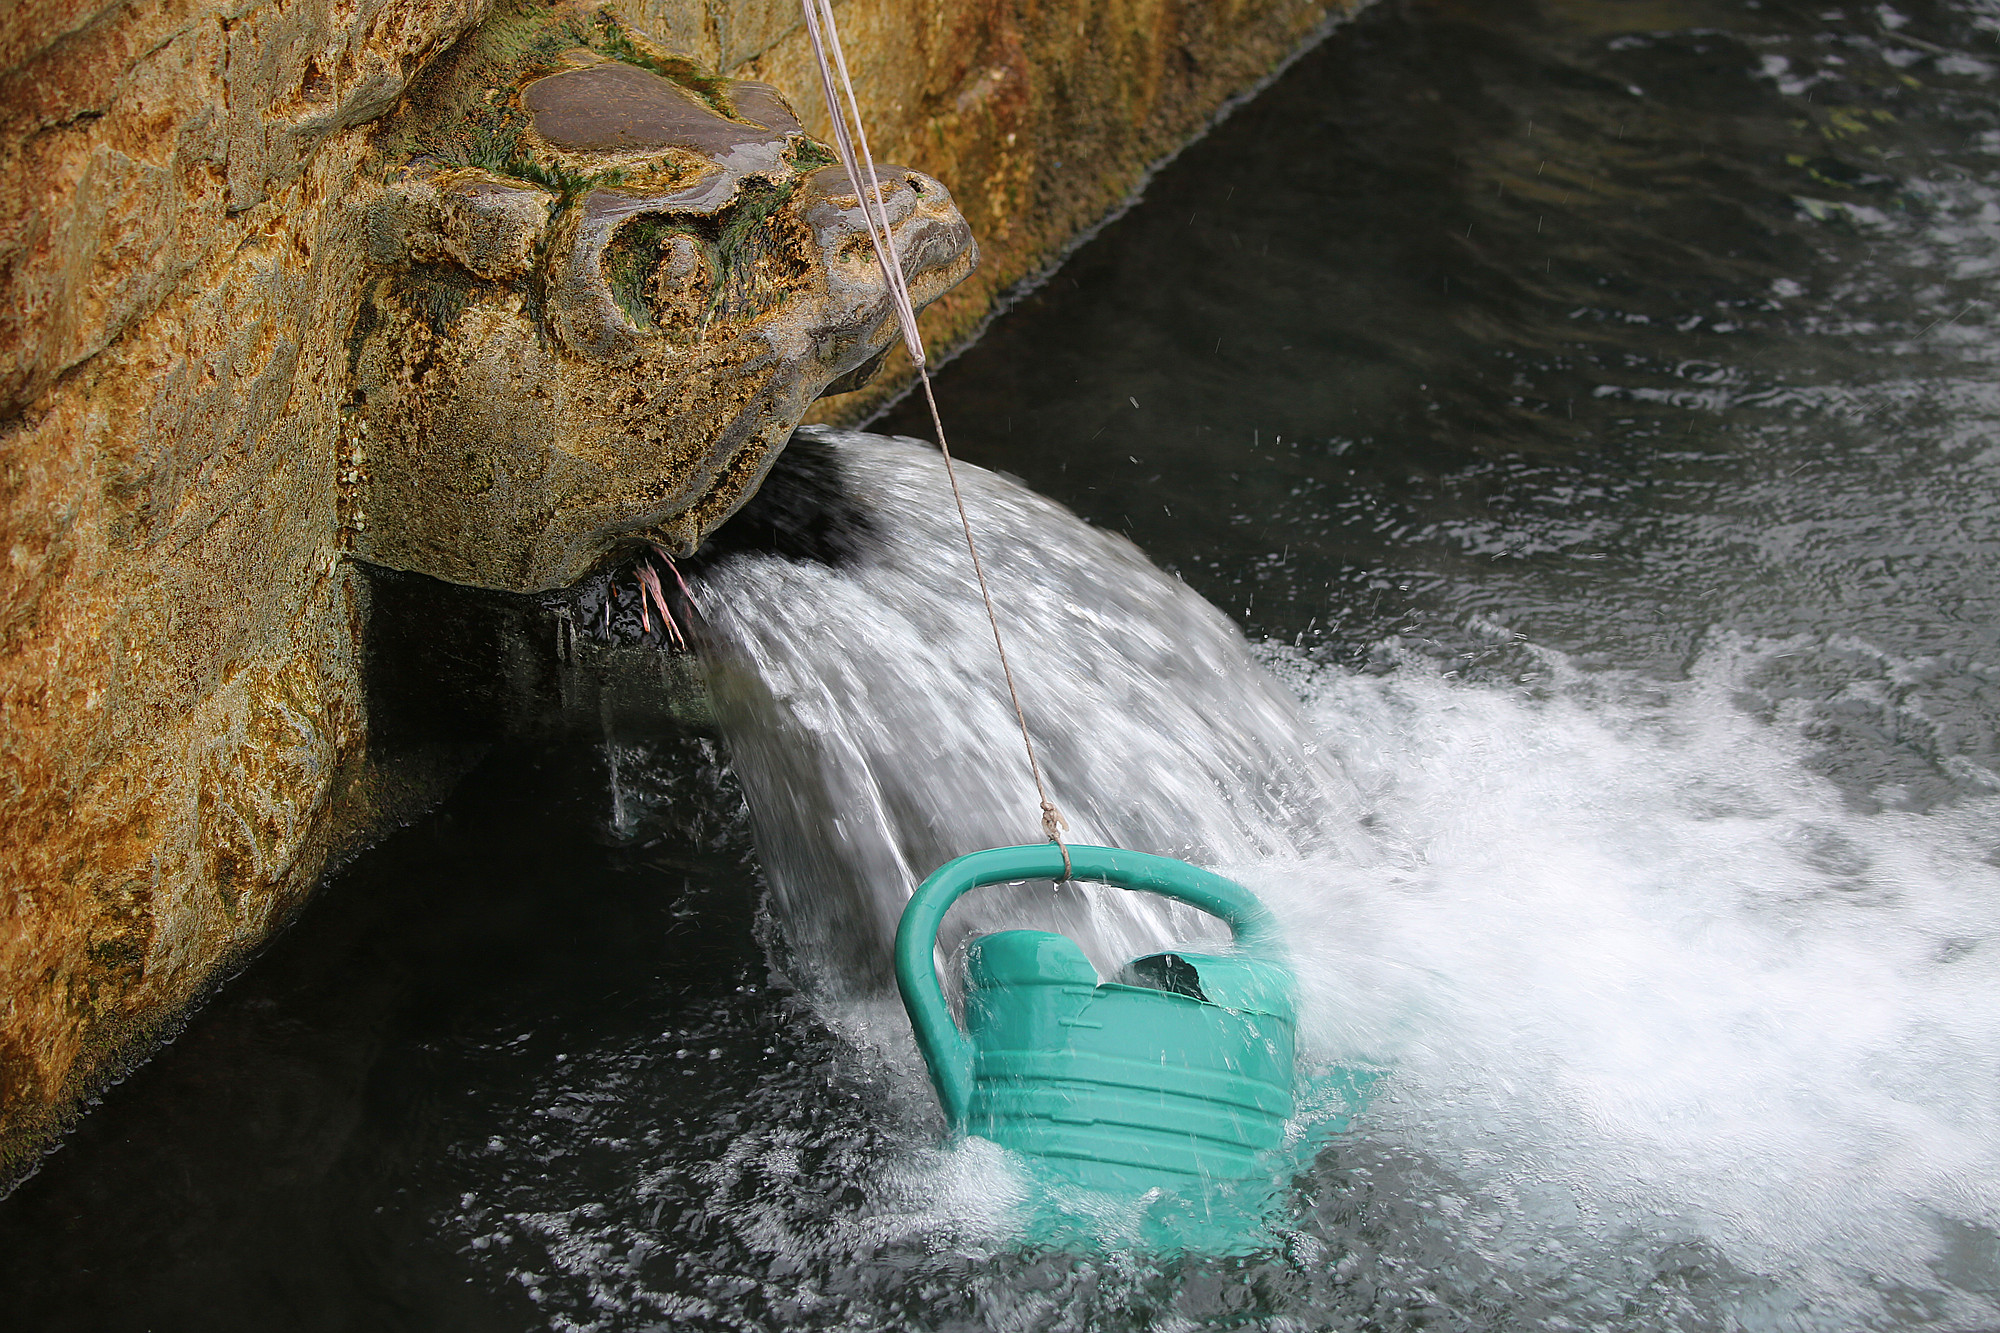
686 591
649 585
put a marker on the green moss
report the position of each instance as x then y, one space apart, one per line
524 39
436 293
742 242
755 201
556 177
614 39
805 155
733 250
466 111
635 255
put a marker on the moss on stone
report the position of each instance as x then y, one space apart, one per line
436 293
631 261
614 39
466 110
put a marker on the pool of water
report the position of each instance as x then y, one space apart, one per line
1589 411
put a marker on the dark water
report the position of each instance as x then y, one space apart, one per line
1599 400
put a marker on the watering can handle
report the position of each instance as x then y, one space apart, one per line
946 1049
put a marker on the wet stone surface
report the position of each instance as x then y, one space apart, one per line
613 107
605 288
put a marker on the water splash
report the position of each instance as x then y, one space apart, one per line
1676 1025
1645 978
867 718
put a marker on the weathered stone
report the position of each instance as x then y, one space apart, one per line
541 378
187 233
1044 117
485 224
178 674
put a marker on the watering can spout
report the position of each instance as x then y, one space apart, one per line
1181 1069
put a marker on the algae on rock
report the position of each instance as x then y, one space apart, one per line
604 291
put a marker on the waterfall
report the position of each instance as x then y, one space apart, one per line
865 712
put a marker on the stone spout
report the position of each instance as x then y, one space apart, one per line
604 337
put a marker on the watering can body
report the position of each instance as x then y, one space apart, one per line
1177 1073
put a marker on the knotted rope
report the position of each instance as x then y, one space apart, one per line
833 63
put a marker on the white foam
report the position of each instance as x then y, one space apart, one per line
1624 944
1641 978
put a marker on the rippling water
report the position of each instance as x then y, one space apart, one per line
1671 1028
1588 412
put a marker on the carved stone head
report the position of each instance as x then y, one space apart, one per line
603 291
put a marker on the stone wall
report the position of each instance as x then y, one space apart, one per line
178 669
182 730
1040 117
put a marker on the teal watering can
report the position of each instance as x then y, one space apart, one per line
1177 1074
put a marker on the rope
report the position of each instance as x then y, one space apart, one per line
825 36
826 39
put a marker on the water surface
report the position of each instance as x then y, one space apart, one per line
1588 411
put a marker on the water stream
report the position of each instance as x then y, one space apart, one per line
1650 992
864 711
1567 436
